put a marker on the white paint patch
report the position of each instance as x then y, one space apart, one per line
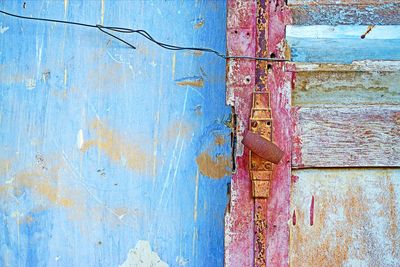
79 139
181 261
30 84
3 29
143 256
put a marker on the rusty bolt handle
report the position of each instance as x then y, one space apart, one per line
262 147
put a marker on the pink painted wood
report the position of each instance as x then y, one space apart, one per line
241 31
241 80
280 84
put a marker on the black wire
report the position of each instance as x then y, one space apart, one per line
112 35
143 33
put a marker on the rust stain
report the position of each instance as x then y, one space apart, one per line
344 220
392 212
260 225
369 29
294 221
191 81
199 24
41 180
194 53
214 168
219 140
42 186
5 165
117 148
396 118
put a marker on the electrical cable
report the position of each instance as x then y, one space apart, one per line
143 33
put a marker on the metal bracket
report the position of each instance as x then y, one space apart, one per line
260 123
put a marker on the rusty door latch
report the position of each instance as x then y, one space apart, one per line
263 152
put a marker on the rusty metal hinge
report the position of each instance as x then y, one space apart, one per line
260 124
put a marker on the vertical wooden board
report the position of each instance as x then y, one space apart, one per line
280 84
343 44
239 219
107 153
240 84
354 215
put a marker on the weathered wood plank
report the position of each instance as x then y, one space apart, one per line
343 44
346 136
239 214
345 14
337 84
239 218
355 217
340 2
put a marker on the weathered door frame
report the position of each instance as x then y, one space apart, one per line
257 28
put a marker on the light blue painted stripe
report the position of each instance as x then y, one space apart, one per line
343 44
389 32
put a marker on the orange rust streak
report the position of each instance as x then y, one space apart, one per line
117 148
217 168
195 83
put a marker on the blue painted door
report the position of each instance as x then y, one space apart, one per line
112 156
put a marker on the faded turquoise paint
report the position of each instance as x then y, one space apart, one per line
343 43
99 143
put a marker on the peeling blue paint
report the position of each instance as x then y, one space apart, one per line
78 114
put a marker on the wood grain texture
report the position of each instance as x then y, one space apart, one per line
346 14
346 136
356 217
343 44
363 83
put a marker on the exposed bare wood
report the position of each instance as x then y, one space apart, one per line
346 136
341 84
346 14
355 217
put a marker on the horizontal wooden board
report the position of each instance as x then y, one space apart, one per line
345 14
365 82
343 44
355 217
346 136
341 2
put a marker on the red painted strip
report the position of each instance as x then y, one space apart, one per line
295 178
312 211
